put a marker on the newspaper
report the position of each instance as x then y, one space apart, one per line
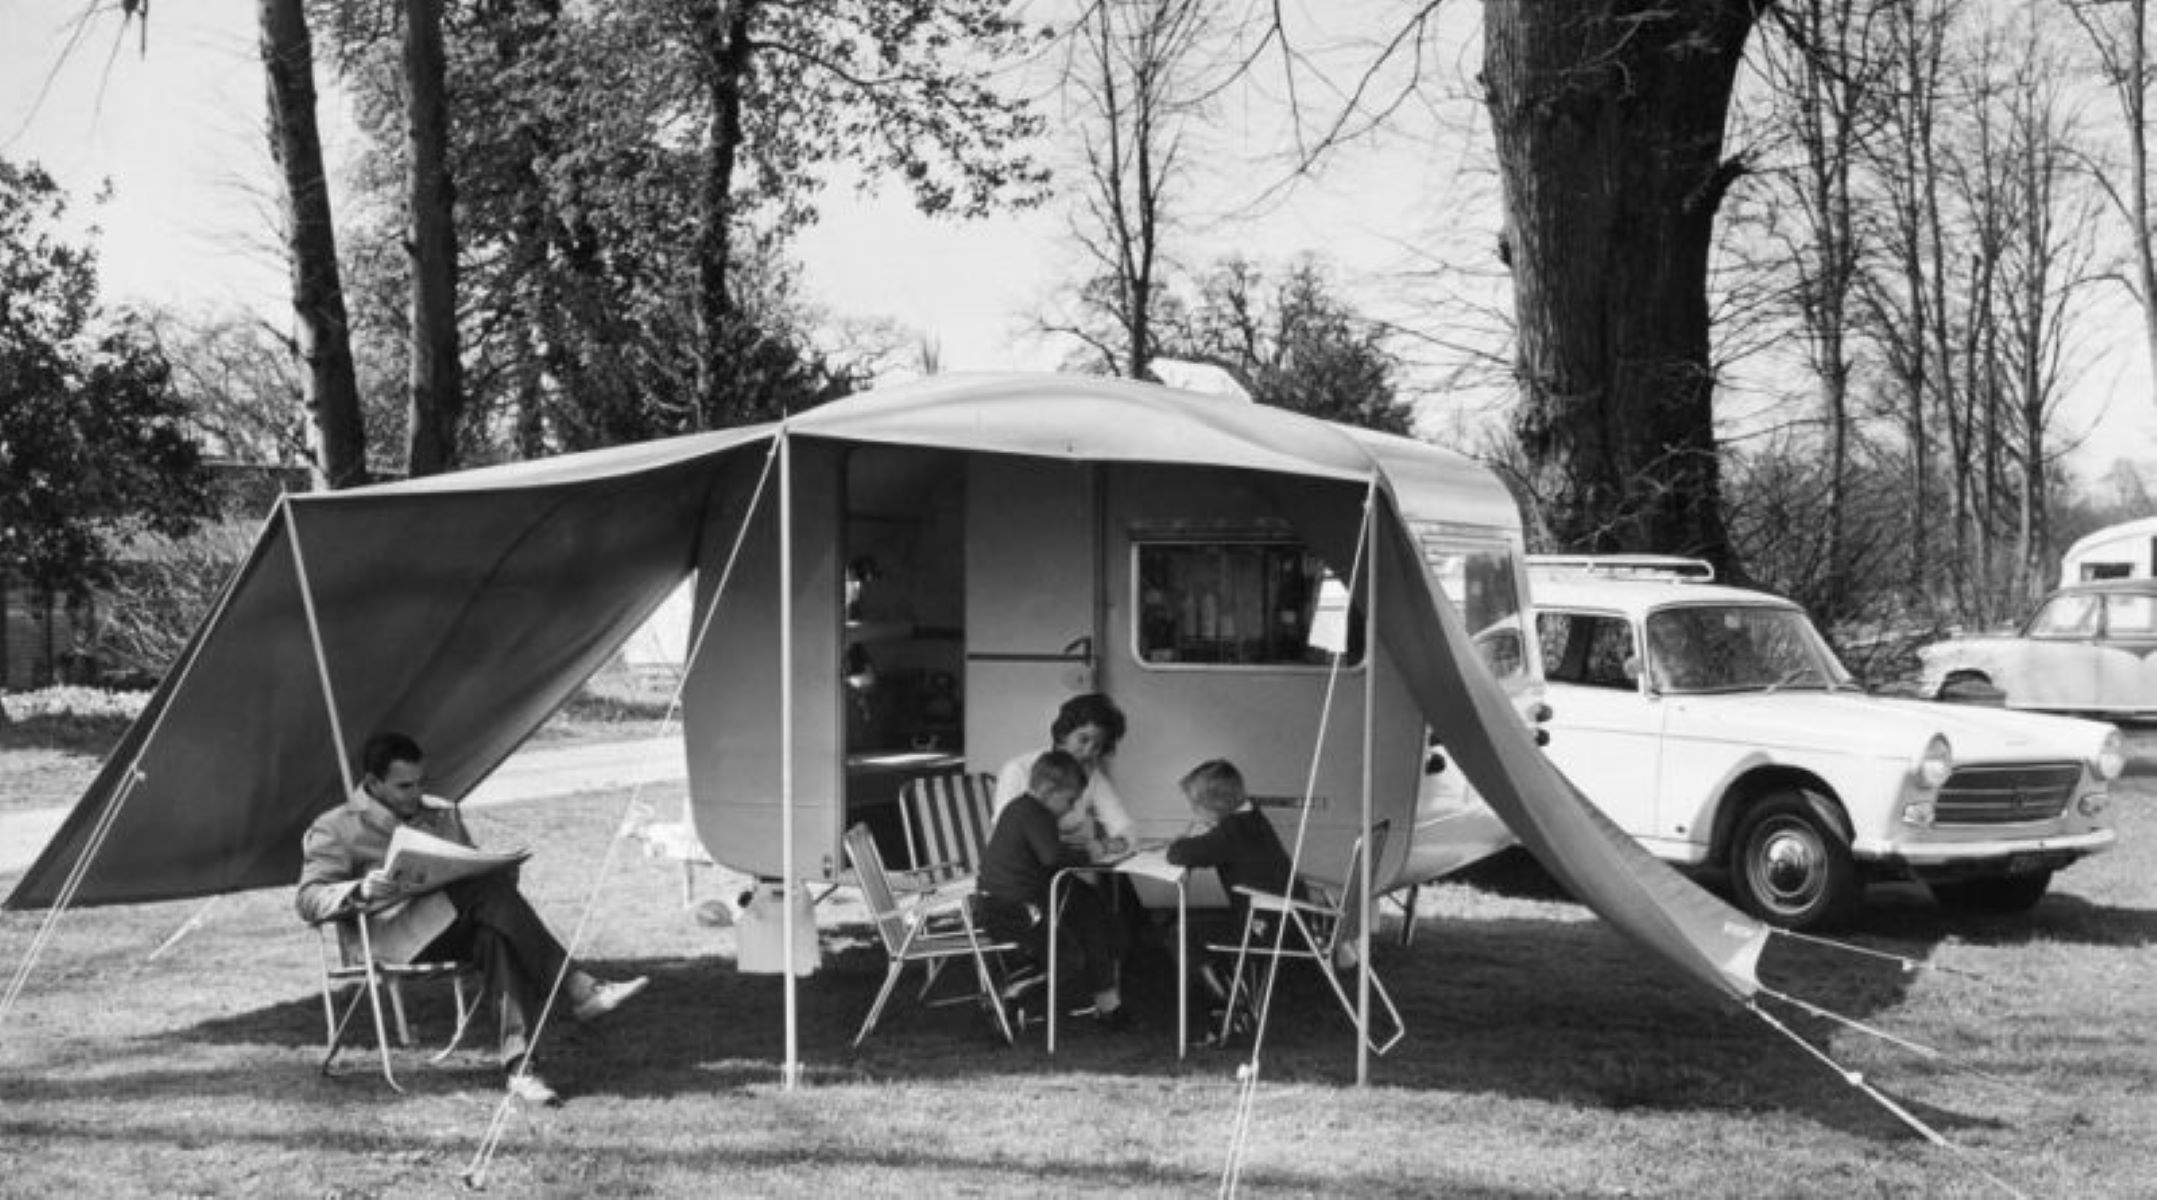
422 862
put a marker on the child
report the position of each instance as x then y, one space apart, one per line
1237 841
1017 866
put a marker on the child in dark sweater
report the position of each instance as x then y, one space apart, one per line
1019 863
1237 841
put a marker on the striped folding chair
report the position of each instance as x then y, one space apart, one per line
948 819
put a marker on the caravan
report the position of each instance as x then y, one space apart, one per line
2127 550
947 600
901 581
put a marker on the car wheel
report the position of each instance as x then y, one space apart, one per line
1790 864
1969 687
1994 893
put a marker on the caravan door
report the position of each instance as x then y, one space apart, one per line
1032 599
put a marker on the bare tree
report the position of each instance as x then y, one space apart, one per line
1131 79
318 301
1901 291
2046 266
2119 32
1823 72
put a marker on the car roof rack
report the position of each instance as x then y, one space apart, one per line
1627 566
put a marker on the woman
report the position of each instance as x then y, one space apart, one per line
1087 727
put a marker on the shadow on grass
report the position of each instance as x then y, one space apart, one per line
1558 1012
433 1158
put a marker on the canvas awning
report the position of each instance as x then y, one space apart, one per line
471 605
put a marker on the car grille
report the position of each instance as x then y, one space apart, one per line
2007 795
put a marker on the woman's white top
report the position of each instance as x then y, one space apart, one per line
1099 802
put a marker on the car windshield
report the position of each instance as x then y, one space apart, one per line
2069 615
1739 648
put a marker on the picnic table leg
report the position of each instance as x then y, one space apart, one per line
1055 884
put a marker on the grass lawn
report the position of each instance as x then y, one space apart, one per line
1545 1057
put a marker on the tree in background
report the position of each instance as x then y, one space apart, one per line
1821 76
1132 81
781 91
436 378
2118 31
613 289
93 444
1293 344
323 332
1609 121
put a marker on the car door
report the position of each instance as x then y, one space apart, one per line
2058 668
2127 653
1606 735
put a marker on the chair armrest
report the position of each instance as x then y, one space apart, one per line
1274 902
921 882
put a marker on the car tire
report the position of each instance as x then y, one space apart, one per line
1790 863
1969 687
1994 893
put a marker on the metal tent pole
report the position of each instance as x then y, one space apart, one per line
1370 708
791 1073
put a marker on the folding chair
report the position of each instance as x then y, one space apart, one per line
929 929
948 819
349 956
1314 931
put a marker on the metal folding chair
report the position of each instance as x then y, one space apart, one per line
948 820
1318 932
349 956
929 928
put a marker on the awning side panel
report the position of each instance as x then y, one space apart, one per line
1646 899
460 618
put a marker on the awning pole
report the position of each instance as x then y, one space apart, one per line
1370 709
791 1073
314 639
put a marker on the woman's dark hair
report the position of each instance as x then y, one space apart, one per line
1092 708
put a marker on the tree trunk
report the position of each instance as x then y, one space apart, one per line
2135 95
1609 121
437 377
318 299
727 49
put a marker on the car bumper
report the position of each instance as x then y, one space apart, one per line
2018 856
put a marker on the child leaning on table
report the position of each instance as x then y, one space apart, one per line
1237 841
1018 866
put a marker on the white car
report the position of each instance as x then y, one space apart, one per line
1714 725
2090 648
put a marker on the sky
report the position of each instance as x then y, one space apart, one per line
177 130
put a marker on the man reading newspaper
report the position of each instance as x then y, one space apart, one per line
480 915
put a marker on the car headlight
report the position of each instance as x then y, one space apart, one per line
2111 757
1934 765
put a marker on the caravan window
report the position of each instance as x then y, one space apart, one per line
1479 578
1240 603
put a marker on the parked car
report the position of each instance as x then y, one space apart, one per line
2089 648
1715 725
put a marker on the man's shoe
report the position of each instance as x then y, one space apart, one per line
533 1090
605 998
1115 1020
